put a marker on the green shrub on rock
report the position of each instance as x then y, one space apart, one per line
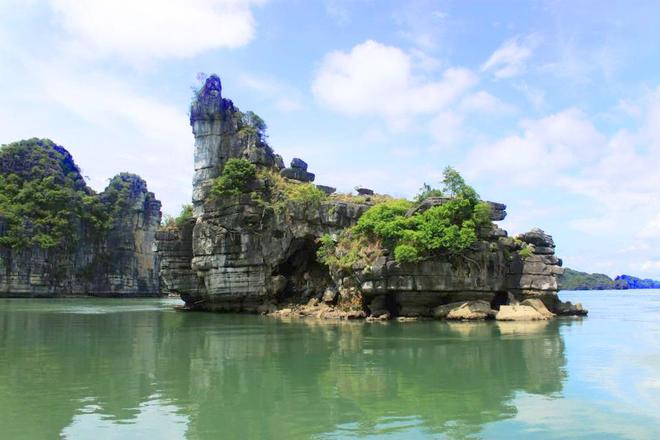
427 191
236 176
174 223
405 253
525 252
450 227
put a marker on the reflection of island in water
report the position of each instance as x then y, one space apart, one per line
245 376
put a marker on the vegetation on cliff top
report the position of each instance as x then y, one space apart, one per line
173 223
45 202
447 228
43 197
238 176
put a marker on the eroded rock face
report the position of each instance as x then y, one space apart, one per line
216 124
235 257
119 262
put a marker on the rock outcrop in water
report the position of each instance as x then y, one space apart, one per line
58 237
254 251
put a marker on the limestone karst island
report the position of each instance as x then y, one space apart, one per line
329 220
263 238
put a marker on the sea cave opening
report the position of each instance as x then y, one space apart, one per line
306 276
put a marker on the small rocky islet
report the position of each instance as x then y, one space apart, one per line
261 237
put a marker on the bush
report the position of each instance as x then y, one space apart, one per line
326 251
347 250
235 178
387 221
525 252
450 228
184 216
427 191
282 191
405 253
305 193
173 223
252 122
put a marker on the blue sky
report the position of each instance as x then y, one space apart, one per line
552 107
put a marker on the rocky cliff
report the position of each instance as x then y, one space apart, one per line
255 247
58 237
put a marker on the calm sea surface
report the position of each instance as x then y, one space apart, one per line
135 369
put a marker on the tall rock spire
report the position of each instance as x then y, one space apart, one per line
221 132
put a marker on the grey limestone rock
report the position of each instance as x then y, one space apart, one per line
297 174
327 189
237 256
120 262
365 191
299 164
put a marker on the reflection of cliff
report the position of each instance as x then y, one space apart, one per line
53 364
313 378
246 377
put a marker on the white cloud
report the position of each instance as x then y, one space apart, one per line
377 79
446 129
284 97
145 29
651 229
106 124
599 226
547 146
583 63
482 101
105 101
510 58
535 97
650 266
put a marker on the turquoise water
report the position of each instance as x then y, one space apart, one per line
136 369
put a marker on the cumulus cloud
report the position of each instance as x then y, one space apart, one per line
112 103
283 96
650 266
545 147
510 58
446 129
485 102
146 29
373 78
651 229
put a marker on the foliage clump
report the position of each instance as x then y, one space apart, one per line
348 250
121 191
178 222
448 228
44 198
273 190
427 191
281 191
525 252
235 178
252 123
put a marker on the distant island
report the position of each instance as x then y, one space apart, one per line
575 280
